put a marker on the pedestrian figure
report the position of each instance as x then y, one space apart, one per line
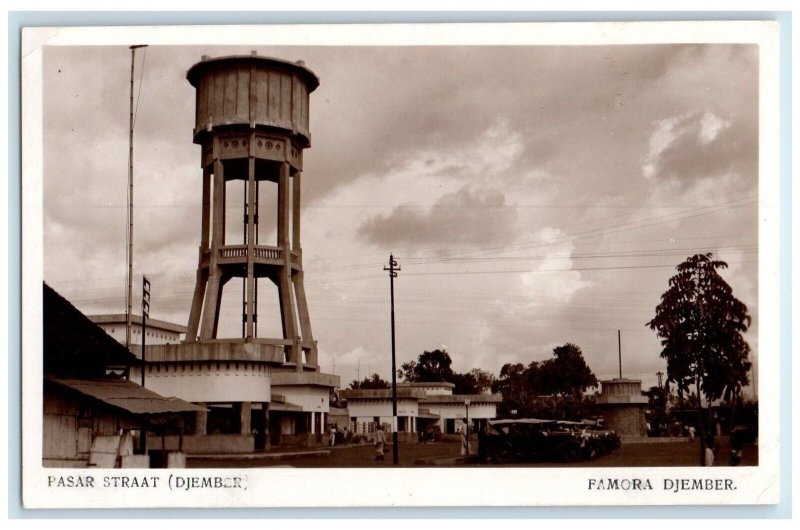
482 435
691 432
465 449
737 444
333 435
380 442
711 450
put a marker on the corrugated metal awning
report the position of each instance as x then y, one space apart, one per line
126 395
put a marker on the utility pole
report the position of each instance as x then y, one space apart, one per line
619 349
393 268
129 297
145 316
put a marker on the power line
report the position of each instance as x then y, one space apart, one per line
525 271
607 230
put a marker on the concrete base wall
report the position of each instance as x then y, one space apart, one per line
206 444
625 420
303 440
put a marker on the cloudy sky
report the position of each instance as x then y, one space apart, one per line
533 195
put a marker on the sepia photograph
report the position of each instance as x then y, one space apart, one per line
539 257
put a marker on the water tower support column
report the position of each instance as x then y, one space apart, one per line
214 289
251 238
202 272
285 287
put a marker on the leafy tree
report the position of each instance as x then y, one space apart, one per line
372 382
513 386
483 380
567 374
700 324
657 404
464 383
431 366
435 366
550 389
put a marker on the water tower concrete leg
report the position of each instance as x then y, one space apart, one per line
197 305
208 330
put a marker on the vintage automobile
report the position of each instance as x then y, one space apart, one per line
595 441
505 441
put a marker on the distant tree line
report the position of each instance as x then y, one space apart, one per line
435 367
553 388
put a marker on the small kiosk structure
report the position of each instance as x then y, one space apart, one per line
623 406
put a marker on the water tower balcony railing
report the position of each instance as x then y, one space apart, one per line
262 254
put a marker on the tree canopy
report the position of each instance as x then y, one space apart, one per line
700 324
430 366
435 366
372 382
566 375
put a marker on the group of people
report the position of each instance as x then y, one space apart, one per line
710 456
336 436
380 439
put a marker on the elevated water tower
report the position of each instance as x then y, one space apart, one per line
252 122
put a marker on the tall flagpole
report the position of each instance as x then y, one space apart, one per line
129 297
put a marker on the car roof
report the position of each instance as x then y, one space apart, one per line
523 421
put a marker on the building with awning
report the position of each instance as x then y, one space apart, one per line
92 415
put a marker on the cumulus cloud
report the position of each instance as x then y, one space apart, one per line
464 217
551 278
701 145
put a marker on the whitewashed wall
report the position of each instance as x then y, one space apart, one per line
310 398
368 409
154 335
204 383
477 411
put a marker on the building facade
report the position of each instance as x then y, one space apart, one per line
421 406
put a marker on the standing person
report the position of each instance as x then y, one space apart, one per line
333 435
464 437
482 441
737 444
380 442
711 450
692 432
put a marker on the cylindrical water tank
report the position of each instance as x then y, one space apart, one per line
254 92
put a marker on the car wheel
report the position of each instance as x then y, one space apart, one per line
504 453
570 453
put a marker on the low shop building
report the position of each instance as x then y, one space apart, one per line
92 415
249 396
420 408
